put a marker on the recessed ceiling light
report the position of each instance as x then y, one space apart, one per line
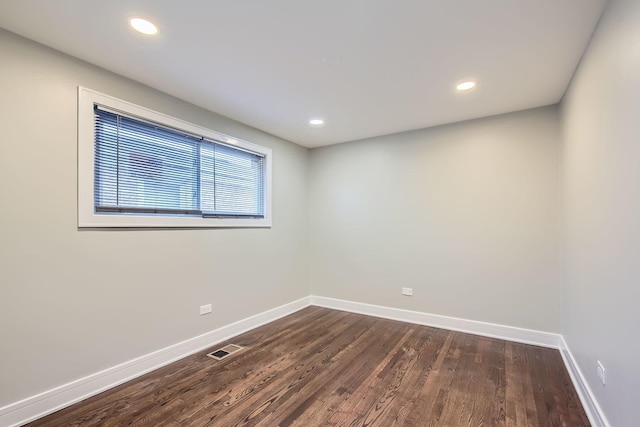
143 26
470 84
316 122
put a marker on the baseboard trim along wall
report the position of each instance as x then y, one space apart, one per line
37 406
589 402
510 333
55 399
526 336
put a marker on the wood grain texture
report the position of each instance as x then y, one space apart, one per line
321 367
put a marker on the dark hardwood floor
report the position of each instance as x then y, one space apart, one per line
321 367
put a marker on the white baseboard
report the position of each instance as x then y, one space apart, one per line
526 336
37 406
589 402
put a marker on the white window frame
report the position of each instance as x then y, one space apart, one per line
87 217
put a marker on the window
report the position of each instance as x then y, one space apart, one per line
140 168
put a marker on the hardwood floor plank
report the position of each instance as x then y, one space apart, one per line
231 388
340 373
297 348
321 367
433 341
432 398
519 412
364 378
389 386
302 369
172 380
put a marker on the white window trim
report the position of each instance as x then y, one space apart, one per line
87 217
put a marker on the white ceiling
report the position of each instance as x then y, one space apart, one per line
261 61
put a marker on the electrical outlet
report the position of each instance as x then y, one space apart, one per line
205 309
407 291
600 370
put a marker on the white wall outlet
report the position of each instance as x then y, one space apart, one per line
205 309
407 291
600 369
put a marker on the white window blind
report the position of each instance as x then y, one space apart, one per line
145 168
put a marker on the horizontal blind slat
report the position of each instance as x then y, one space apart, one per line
144 168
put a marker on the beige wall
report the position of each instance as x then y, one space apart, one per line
601 196
465 214
74 302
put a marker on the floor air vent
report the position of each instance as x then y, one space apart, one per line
224 352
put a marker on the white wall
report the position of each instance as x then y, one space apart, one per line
74 302
465 214
601 196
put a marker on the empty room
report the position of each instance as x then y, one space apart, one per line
338 213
